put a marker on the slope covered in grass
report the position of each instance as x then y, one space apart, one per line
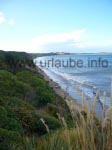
33 117
25 98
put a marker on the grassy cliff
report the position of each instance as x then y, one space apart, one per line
25 99
33 117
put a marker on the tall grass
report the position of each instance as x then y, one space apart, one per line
88 132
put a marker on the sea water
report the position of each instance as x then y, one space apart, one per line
80 72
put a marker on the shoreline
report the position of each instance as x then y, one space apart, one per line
59 91
98 111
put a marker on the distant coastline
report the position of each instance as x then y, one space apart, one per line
35 55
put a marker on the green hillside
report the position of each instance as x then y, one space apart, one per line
25 98
33 117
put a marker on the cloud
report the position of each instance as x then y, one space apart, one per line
59 41
15 45
58 38
2 18
75 41
107 43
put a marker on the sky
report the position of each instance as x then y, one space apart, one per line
56 25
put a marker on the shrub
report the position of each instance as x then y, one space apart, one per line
8 138
52 109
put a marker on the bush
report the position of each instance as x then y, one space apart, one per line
43 92
11 86
9 123
52 109
39 128
8 138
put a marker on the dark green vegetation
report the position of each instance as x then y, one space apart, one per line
25 98
33 117
35 55
15 62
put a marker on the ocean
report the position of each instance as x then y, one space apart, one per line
80 72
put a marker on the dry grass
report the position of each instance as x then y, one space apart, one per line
88 132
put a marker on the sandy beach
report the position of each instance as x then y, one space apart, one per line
74 103
59 91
